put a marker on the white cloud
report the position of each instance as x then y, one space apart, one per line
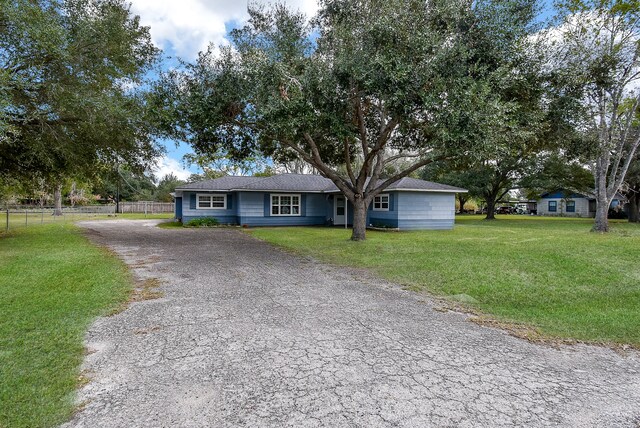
167 165
190 25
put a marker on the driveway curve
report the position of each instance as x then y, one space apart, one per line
248 335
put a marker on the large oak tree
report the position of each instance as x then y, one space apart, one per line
69 73
365 85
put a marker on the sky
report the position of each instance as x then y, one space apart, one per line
182 29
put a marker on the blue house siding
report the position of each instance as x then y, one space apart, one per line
407 210
419 210
384 218
190 212
255 210
316 205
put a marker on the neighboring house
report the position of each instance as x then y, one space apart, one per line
570 204
306 200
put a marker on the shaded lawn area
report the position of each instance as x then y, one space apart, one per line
551 273
53 283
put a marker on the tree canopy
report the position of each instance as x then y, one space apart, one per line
69 72
595 57
362 86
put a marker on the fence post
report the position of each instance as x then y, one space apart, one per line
42 217
26 218
7 228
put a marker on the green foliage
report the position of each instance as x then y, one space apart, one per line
594 58
366 84
207 174
223 164
556 172
203 222
53 283
171 225
69 98
549 273
165 187
266 172
131 185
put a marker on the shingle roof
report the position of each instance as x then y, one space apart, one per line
228 182
408 183
292 183
305 183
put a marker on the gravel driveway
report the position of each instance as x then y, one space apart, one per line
248 335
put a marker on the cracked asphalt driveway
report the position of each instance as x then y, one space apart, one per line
248 335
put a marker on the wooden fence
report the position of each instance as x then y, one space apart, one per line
146 207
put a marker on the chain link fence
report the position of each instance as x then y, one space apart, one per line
17 216
24 216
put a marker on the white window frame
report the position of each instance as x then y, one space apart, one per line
211 195
378 199
279 204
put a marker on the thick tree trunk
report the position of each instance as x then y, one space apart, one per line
602 215
462 202
57 199
491 209
359 220
602 201
634 208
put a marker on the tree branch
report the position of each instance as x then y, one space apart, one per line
347 160
316 161
400 156
406 172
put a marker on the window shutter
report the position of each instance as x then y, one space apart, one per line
267 205
229 202
391 202
303 205
192 201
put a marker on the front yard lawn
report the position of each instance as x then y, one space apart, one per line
551 273
53 283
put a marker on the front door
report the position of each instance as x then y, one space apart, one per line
339 211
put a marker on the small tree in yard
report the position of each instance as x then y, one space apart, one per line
597 56
366 85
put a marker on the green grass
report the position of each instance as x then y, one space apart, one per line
171 225
53 283
35 218
551 273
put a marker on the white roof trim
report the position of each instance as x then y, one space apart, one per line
409 190
278 191
427 190
251 190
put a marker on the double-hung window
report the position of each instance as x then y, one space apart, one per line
212 202
553 206
285 205
381 203
571 206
